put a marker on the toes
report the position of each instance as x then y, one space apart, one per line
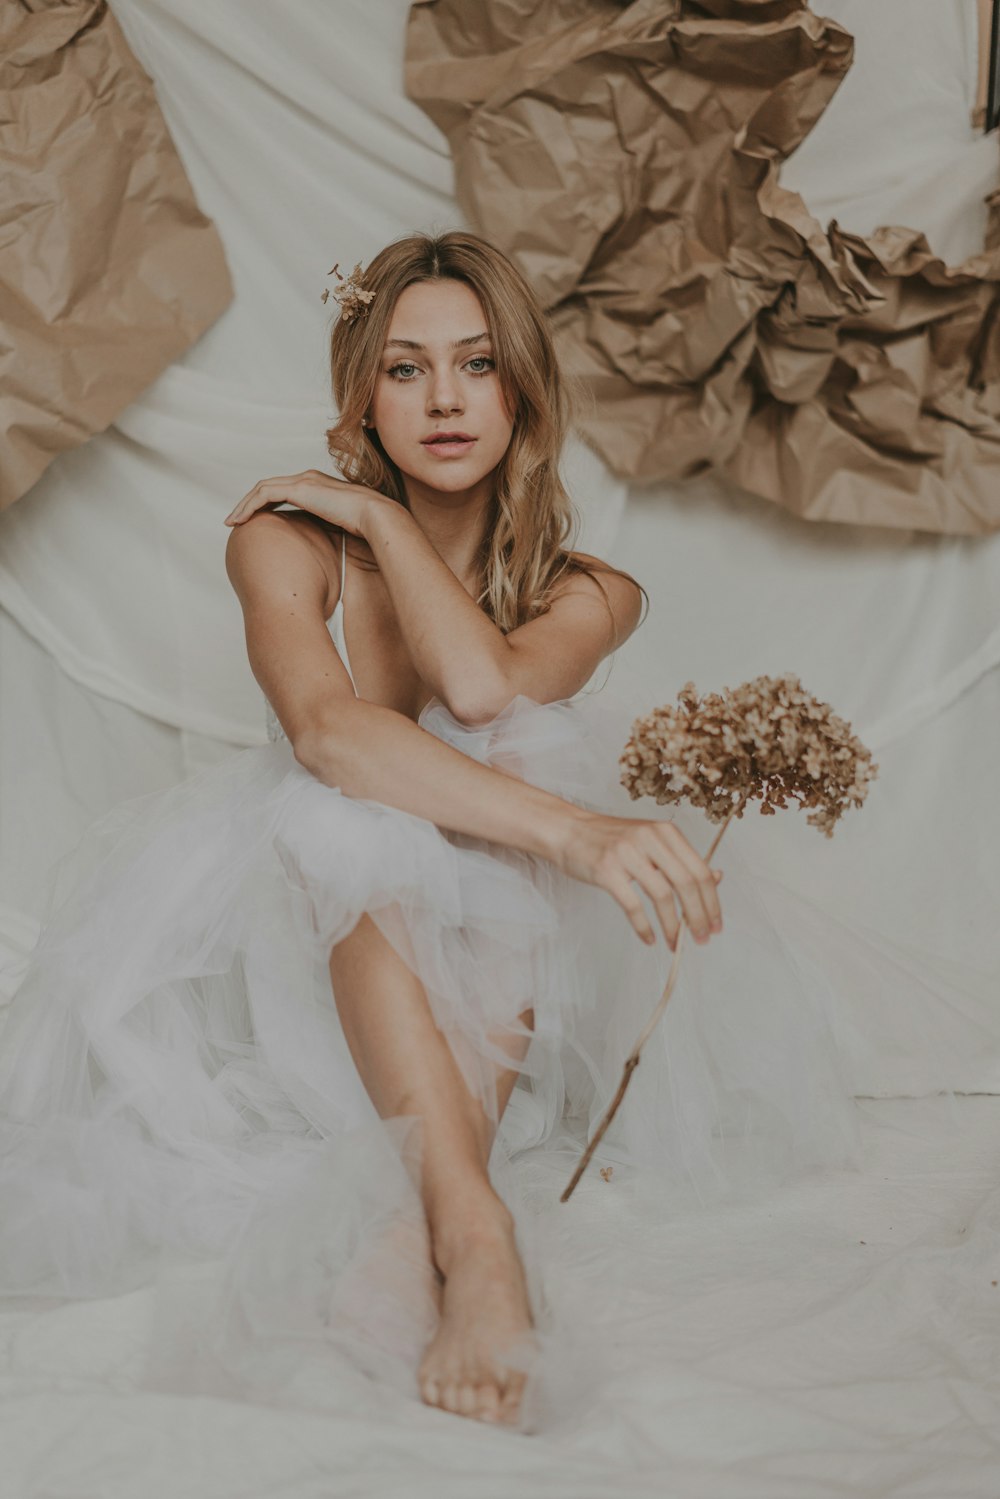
450 1398
487 1402
467 1400
430 1390
510 1403
442 1387
462 1398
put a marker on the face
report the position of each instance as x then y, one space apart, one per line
437 375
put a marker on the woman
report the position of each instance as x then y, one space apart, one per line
398 909
451 421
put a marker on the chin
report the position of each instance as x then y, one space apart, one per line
452 478
453 483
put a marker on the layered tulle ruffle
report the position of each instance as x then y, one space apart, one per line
173 1065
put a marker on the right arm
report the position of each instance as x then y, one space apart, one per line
373 752
363 748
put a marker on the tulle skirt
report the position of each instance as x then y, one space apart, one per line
178 1103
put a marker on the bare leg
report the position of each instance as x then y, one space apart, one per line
408 1067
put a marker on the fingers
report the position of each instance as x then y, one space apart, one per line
617 882
273 491
660 891
657 857
310 491
251 502
697 886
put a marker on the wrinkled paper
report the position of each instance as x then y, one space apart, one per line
108 271
627 158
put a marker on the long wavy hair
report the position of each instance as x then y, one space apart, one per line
525 546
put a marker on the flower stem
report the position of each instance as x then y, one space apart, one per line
632 1060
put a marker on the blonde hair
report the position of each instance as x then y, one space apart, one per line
523 552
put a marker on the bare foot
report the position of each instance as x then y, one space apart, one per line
476 1363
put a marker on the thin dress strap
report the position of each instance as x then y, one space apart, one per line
338 616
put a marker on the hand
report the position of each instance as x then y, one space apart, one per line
347 505
614 851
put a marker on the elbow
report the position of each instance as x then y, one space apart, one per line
317 746
313 753
479 707
476 718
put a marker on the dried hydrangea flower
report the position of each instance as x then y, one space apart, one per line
352 294
767 740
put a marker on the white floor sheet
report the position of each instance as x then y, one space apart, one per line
843 1337
839 1338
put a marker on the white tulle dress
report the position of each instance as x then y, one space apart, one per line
178 1105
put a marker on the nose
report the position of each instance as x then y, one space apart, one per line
444 394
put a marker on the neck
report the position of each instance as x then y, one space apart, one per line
454 523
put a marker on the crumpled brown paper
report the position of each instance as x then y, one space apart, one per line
626 156
108 271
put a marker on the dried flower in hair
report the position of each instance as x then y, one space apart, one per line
352 294
767 740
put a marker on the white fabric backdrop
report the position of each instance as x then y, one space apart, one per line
121 641
839 1336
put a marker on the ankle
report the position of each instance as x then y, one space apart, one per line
473 1228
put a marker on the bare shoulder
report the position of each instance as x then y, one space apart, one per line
279 547
617 590
283 587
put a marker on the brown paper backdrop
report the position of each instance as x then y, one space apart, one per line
108 271
626 156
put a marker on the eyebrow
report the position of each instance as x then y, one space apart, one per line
460 343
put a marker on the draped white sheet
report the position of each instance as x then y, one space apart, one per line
120 637
840 1336
836 1340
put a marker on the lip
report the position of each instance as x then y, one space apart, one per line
448 444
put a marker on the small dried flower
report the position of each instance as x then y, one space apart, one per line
351 293
767 739
606 1172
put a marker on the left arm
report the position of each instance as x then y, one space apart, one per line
467 660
